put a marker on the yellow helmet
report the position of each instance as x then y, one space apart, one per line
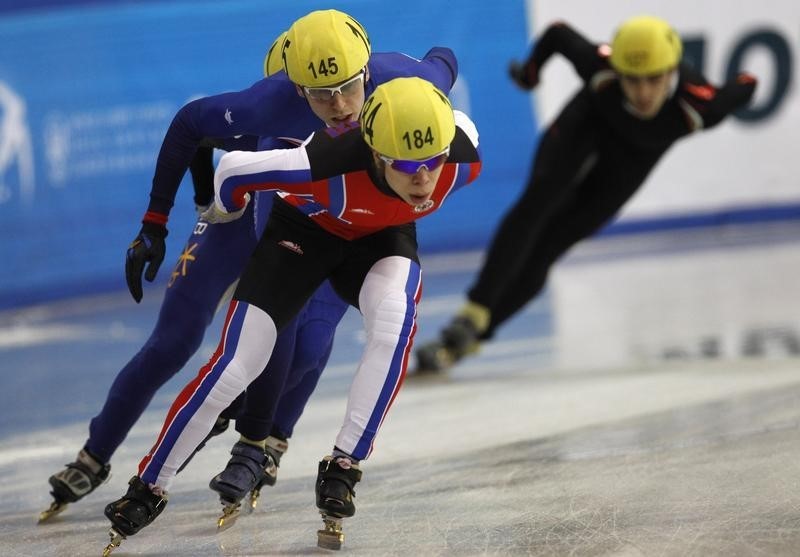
645 45
324 48
272 61
407 118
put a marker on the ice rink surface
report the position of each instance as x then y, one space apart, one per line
647 404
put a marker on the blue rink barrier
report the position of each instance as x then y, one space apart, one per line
87 90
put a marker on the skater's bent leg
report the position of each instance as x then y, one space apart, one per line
248 337
176 337
316 328
564 155
388 300
254 421
553 241
295 397
601 195
211 262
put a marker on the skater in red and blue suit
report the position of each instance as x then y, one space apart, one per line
350 197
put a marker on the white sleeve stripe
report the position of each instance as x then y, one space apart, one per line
467 126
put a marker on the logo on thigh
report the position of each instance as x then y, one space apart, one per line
291 246
182 267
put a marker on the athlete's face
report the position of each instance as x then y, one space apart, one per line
646 94
340 103
415 189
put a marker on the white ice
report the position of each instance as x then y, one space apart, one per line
647 404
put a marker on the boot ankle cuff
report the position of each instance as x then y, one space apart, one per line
86 457
277 444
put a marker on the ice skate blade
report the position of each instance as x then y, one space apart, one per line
230 512
56 507
116 540
254 495
332 536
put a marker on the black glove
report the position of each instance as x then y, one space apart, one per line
524 75
148 247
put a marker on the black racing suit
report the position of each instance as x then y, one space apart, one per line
589 162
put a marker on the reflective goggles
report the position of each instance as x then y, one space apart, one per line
412 167
346 89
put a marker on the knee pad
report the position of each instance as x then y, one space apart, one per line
387 300
390 317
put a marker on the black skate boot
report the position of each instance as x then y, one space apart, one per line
136 509
246 472
75 482
460 338
335 490
220 427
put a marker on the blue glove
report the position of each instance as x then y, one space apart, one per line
147 248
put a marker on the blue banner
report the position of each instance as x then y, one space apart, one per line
88 90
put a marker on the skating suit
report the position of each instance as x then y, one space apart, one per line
215 255
589 162
336 220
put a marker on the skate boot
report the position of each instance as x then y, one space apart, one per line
136 509
335 490
245 473
75 482
274 450
459 339
220 427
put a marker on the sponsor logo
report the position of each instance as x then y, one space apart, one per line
291 246
182 267
422 207
362 211
228 117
